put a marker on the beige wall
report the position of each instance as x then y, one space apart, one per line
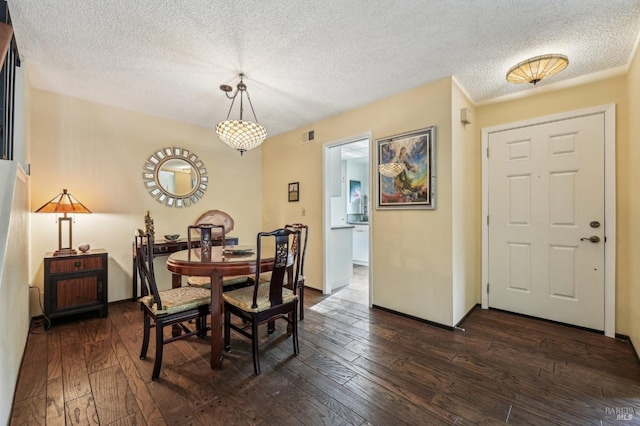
97 152
631 246
14 251
425 263
612 90
14 288
412 263
467 207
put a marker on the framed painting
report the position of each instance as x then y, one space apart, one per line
406 170
355 190
294 191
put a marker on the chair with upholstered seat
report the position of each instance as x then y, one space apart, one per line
299 243
176 306
266 302
229 283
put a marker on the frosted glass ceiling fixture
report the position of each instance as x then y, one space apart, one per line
240 134
535 69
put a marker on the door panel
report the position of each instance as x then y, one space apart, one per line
546 184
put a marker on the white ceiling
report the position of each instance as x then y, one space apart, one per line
305 60
355 150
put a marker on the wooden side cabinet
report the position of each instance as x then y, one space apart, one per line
75 284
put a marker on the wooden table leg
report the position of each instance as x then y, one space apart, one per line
176 280
217 309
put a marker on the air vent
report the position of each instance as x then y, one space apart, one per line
308 136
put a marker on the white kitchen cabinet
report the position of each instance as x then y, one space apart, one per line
340 268
361 245
338 210
335 172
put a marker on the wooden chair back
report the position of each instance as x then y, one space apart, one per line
206 238
284 239
300 240
144 259
207 233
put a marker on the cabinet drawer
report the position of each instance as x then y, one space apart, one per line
57 266
164 249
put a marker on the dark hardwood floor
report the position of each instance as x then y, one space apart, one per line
356 366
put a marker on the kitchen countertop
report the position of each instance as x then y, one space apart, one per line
358 223
342 227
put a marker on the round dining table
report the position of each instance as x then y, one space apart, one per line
216 263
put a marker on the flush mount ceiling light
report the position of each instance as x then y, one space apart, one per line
535 69
240 134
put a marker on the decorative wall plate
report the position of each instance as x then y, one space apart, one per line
216 217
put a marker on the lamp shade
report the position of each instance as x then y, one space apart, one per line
241 135
535 69
391 169
63 203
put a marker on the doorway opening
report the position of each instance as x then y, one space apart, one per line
347 196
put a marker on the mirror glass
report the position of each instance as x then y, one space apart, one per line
175 177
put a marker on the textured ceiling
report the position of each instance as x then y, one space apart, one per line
305 60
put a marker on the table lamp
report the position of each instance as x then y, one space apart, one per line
64 203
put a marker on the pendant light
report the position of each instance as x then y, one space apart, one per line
240 134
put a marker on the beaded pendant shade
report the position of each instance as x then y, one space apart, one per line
535 69
241 135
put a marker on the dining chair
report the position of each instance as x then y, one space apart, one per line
299 242
208 232
265 302
177 306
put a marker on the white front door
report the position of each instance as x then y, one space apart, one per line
546 207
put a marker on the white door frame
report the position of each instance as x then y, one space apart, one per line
326 209
609 111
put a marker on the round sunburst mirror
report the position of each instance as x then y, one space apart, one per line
175 177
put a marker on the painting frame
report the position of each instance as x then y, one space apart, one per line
293 192
355 190
415 186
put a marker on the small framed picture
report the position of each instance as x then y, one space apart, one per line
354 191
294 191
